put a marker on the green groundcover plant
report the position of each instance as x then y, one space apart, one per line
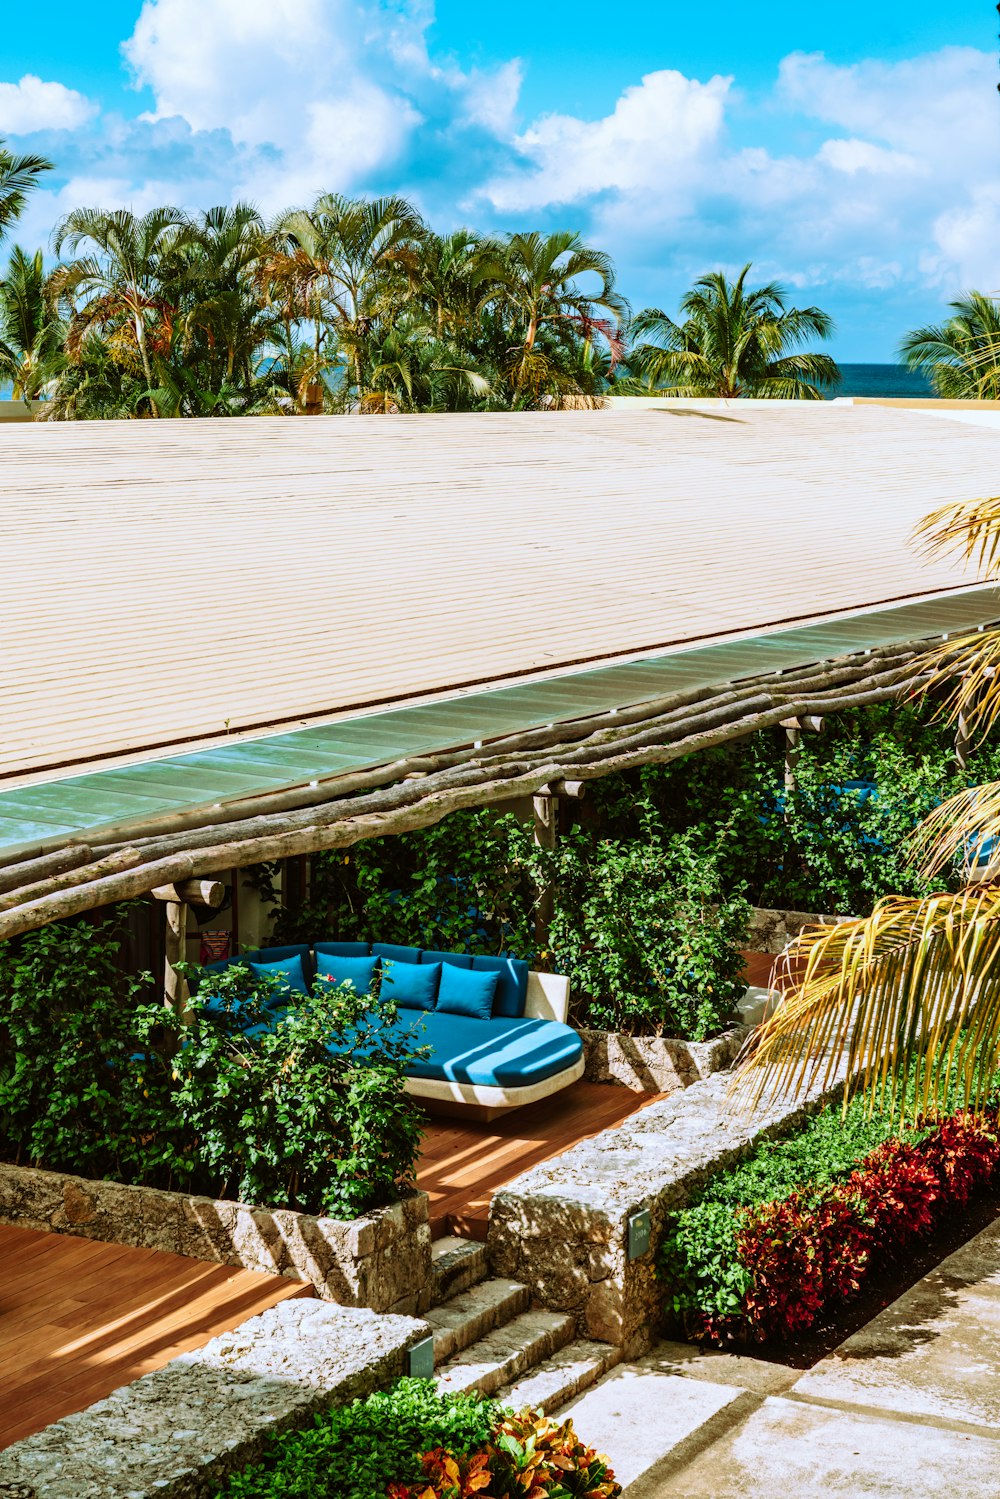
242 1099
791 1232
411 1442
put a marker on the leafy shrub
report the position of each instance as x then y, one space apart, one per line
413 1443
355 1451
93 1081
67 1029
794 1230
647 933
527 1454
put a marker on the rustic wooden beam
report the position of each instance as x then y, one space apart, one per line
28 871
194 892
407 808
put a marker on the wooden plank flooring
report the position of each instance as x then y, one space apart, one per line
79 1318
463 1164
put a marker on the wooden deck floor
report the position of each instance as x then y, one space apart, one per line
463 1164
78 1319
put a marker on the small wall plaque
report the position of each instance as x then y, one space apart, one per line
640 1227
420 1359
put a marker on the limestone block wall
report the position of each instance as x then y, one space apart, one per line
381 1260
178 1433
657 1064
562 1228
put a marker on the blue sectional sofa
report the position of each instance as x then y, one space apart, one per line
496 1031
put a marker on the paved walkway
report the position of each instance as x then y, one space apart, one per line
908 1408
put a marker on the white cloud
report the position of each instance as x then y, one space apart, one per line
657 134
855 155
33 104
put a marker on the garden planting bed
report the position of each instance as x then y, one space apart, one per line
657 1064
380 1260
791 1250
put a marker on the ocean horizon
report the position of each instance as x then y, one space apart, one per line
885 380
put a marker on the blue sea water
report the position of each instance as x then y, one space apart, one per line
880 380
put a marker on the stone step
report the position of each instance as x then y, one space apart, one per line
563 1376
470 1316
506 1353
456 1264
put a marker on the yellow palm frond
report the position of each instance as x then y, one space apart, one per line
960 827
964 672
905 1002
969 527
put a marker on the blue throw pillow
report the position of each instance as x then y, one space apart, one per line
512 984
288 969
358 972
412 986
464 992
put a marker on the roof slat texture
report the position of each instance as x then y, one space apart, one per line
169 584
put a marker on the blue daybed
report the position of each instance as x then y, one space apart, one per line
496 1030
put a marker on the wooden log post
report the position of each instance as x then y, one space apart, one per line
177 900
176 991
545 804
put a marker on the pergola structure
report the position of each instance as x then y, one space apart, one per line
230 642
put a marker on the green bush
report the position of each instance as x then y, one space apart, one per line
647 933
355 1451
705 1281
414 1443
94 1082
68 1024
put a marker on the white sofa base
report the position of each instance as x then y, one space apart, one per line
488 1101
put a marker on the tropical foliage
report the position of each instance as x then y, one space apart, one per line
733 340
97 1081
350 305
412 1442
18 177
961 356
784 1239
908 998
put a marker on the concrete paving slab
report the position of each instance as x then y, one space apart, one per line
637 1415
719 1367
935 1352
790 1450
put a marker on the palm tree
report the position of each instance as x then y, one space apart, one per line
960 357
18 177
211 278
909 997
118 289
346 263
732 342
532 282
30 334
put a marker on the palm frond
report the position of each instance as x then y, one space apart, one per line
963 672
964 828
904 1003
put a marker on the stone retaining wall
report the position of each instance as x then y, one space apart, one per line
381 1260
562 1228
657 1064
178 1433
771 931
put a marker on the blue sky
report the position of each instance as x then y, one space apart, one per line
851 151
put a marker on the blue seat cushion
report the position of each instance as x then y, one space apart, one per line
512 983
412 986
505 1053
358 972
344 949
456 959
462 991
395 954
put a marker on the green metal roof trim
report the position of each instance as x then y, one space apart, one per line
113 799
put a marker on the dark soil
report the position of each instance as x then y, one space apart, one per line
882 1287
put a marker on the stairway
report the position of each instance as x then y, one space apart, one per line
488 1338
